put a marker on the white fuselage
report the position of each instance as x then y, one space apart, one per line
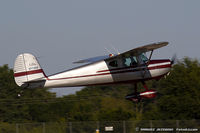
100 73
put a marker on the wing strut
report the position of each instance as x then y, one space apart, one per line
150 57
148 63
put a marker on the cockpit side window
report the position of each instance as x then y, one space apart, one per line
113 63
134 61
130 61
127 61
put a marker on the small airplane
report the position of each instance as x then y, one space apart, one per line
130 67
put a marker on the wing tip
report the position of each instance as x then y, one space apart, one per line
162 42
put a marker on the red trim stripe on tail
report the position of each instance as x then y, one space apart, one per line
28 73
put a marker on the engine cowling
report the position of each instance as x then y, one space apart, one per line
148 94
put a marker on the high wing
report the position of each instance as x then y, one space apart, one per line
139 50
133 52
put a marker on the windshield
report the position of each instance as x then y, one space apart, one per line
143 57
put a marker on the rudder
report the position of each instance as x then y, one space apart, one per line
27 68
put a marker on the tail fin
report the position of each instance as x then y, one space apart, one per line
26 69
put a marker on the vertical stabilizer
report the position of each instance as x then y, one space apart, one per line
26 69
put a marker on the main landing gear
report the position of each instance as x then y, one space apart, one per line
137 96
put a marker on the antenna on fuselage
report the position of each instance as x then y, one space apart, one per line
109 52
117 51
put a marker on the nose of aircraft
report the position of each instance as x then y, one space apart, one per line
159 68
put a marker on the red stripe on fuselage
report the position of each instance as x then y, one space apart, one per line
116 72
159 67
28 73
158 61
111 71
124 82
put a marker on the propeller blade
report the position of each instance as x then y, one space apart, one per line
173 59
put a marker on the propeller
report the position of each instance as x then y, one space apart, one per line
173 59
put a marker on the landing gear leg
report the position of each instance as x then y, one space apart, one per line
135 96
147 93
